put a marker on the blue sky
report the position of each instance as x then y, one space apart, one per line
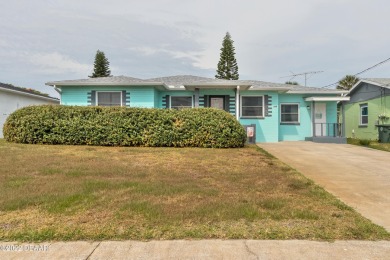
42 41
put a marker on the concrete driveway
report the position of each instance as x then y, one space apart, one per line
358 176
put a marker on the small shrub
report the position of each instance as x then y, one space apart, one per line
365 142
119 126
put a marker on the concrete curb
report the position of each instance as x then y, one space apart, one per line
198 249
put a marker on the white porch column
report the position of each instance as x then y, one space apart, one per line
313 117
238 103
343 119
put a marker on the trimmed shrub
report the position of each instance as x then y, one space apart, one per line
119 126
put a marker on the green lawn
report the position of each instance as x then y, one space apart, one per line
373 144
98 193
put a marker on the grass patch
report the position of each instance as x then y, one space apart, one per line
370 143
274 203
99 193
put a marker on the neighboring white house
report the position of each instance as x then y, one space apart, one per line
13 98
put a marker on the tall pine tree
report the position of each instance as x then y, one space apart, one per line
101 66
227 65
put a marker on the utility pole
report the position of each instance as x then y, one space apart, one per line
302 74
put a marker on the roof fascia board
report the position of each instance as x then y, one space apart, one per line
29 94
327 99
270 89
315 92
152 84
224 86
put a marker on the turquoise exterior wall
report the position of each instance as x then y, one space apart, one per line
266 128
156 98
75 96
142 97
295 132
78 96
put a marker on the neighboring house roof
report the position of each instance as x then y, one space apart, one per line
380 82
26 92
189 82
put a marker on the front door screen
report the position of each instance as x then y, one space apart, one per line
216 102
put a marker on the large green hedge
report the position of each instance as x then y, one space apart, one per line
118 126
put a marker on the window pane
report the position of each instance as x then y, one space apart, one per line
289 108
364 111
364 120
180 102
289 118
252 111
252 101
109 99
116 99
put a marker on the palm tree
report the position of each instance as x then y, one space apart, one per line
291 83
347 82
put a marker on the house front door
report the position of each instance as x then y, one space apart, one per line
320 119
217 102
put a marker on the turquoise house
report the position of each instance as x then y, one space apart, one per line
271 112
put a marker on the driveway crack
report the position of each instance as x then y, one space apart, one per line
89 256
250 251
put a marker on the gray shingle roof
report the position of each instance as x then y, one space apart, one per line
189 80
380 81
120 80
181 80
186 80
305 89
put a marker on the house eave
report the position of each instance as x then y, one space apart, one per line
30 94
316 92
193 86
157 85
282 90
327 98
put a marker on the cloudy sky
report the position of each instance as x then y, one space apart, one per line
48 40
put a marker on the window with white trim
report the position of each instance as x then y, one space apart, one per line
181 102
364 114
109 99
252 106
289 113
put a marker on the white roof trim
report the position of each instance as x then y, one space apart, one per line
317 92
327 99
193 86
30 95
278 89
159 85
